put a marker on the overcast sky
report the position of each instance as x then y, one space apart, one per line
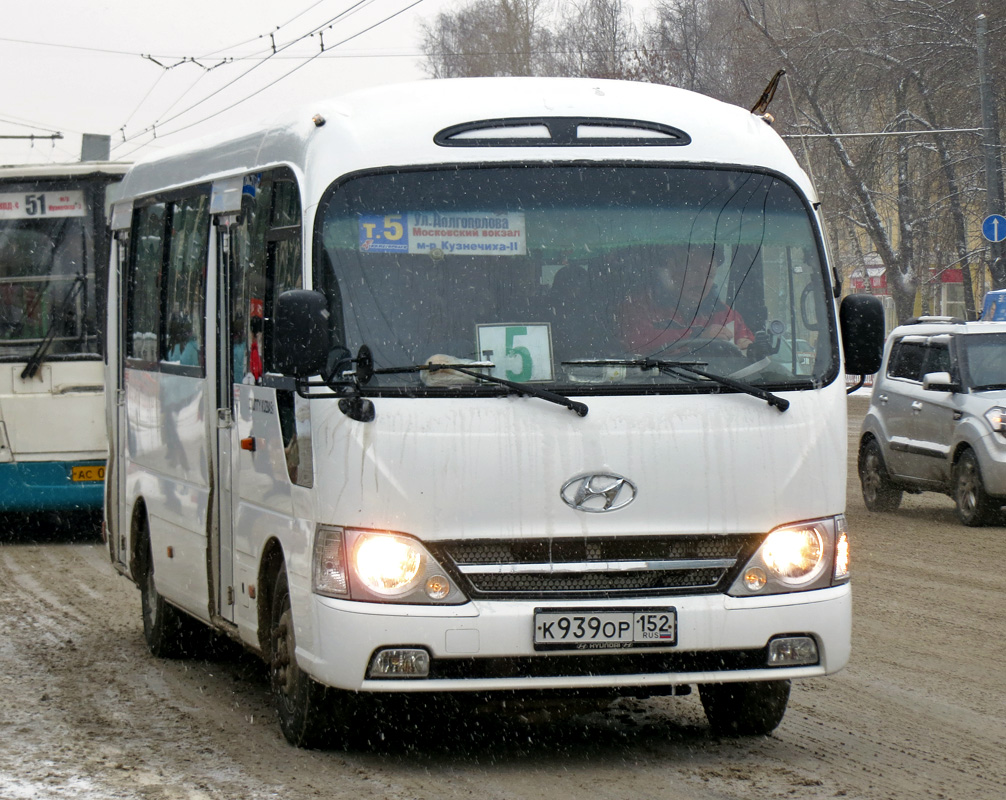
125 67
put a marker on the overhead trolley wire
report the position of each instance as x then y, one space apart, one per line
153 128
287 74
197 60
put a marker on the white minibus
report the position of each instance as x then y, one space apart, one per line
492 387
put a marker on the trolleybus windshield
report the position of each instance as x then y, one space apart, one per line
46 273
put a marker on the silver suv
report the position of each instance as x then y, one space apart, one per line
937 418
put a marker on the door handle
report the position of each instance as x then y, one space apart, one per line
917 406
882 398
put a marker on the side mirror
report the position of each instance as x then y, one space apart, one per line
861 317
939 382
300 333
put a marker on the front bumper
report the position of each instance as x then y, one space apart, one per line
487 645
991 452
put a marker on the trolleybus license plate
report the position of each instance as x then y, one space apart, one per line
88 472
589 629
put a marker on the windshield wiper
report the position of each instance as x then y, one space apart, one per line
36 358
471 369
675 368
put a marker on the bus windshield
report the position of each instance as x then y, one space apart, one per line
570 275
47 291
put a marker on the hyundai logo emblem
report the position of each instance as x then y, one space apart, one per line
597 492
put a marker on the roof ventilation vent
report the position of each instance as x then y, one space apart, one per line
561 132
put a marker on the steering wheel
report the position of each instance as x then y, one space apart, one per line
714 348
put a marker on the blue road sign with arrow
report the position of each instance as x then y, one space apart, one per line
994 227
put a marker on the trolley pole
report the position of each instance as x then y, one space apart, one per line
993 158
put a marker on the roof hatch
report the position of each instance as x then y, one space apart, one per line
561 132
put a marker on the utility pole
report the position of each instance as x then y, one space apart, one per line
993 158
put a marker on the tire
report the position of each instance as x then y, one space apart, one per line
879 493
744 709
974 506
168 632
305 708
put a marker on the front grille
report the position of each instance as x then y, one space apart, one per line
623 566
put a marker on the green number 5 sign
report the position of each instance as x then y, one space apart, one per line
521 353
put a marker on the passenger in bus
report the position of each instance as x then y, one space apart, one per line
676 305
238 348
183 348
255 352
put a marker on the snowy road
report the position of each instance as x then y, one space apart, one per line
86 713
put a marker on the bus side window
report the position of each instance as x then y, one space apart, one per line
267 262
144 294
185 283
248 271
284 272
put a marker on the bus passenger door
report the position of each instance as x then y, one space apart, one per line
226 447
116 515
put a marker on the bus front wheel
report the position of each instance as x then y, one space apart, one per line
745 709
304 707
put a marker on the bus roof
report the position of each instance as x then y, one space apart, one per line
74 169
395 125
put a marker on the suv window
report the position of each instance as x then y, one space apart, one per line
906 360
937 359
911 360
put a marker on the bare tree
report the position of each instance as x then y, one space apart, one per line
588 38
895 67
692 44
489 37
597 39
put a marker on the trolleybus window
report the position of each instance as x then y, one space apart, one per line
46 273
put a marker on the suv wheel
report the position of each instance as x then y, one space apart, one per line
974 506
879 493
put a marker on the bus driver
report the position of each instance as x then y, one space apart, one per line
678 304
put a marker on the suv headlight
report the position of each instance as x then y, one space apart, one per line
378 567
996 417
796 558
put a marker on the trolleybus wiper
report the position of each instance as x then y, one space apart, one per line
36 358
675 368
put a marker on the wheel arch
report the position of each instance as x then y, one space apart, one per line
272 561
864 440
138 530
958 451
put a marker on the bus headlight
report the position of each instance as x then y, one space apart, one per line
794 555
387 564
809 555
378 566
